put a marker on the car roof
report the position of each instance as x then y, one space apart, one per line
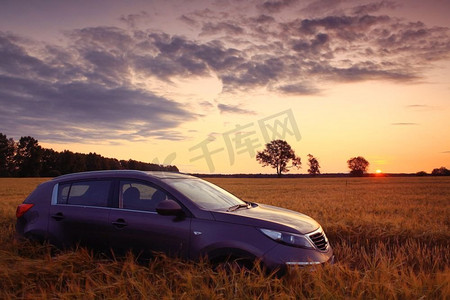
125 174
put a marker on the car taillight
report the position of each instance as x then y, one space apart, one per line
22 209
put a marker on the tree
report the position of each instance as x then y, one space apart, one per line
313 165
28 157
94 161
277 154
358 165
442 171
7 150
70 162
50 163
111 164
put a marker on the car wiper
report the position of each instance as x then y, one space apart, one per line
237 206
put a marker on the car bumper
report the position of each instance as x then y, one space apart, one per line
308 263
283 256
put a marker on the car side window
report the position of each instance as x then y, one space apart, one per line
137 195
63 193
85 193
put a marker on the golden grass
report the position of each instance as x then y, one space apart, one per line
390 236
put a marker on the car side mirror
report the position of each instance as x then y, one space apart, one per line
169 208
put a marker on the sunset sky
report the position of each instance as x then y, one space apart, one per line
205 84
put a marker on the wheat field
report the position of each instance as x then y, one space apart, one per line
390 237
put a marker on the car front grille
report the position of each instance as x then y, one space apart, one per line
319 239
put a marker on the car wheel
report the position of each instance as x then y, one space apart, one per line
234 264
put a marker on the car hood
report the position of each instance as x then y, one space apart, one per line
270 217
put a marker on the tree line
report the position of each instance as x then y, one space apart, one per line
278 153
26 158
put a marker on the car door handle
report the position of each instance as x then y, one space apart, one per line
119 223
58 216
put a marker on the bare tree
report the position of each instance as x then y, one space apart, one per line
277 154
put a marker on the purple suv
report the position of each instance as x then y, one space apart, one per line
173 213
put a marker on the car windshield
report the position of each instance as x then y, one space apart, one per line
206 195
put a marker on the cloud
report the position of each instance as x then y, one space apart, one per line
274 6
319 7
348 46
420 107
298 89
224 108
374 7
262 19
80 96
367 71
446 151
177 56
404 124
187 20
222 27
417 106
206 105
133 20
90 85
86 111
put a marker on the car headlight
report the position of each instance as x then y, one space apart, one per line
290 239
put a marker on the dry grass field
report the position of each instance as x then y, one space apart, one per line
390 236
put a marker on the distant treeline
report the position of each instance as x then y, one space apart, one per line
436 172
26 158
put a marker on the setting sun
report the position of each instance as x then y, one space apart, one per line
378 171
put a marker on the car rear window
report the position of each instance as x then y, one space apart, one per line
86 193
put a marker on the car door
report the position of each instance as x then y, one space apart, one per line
79 213
138 226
